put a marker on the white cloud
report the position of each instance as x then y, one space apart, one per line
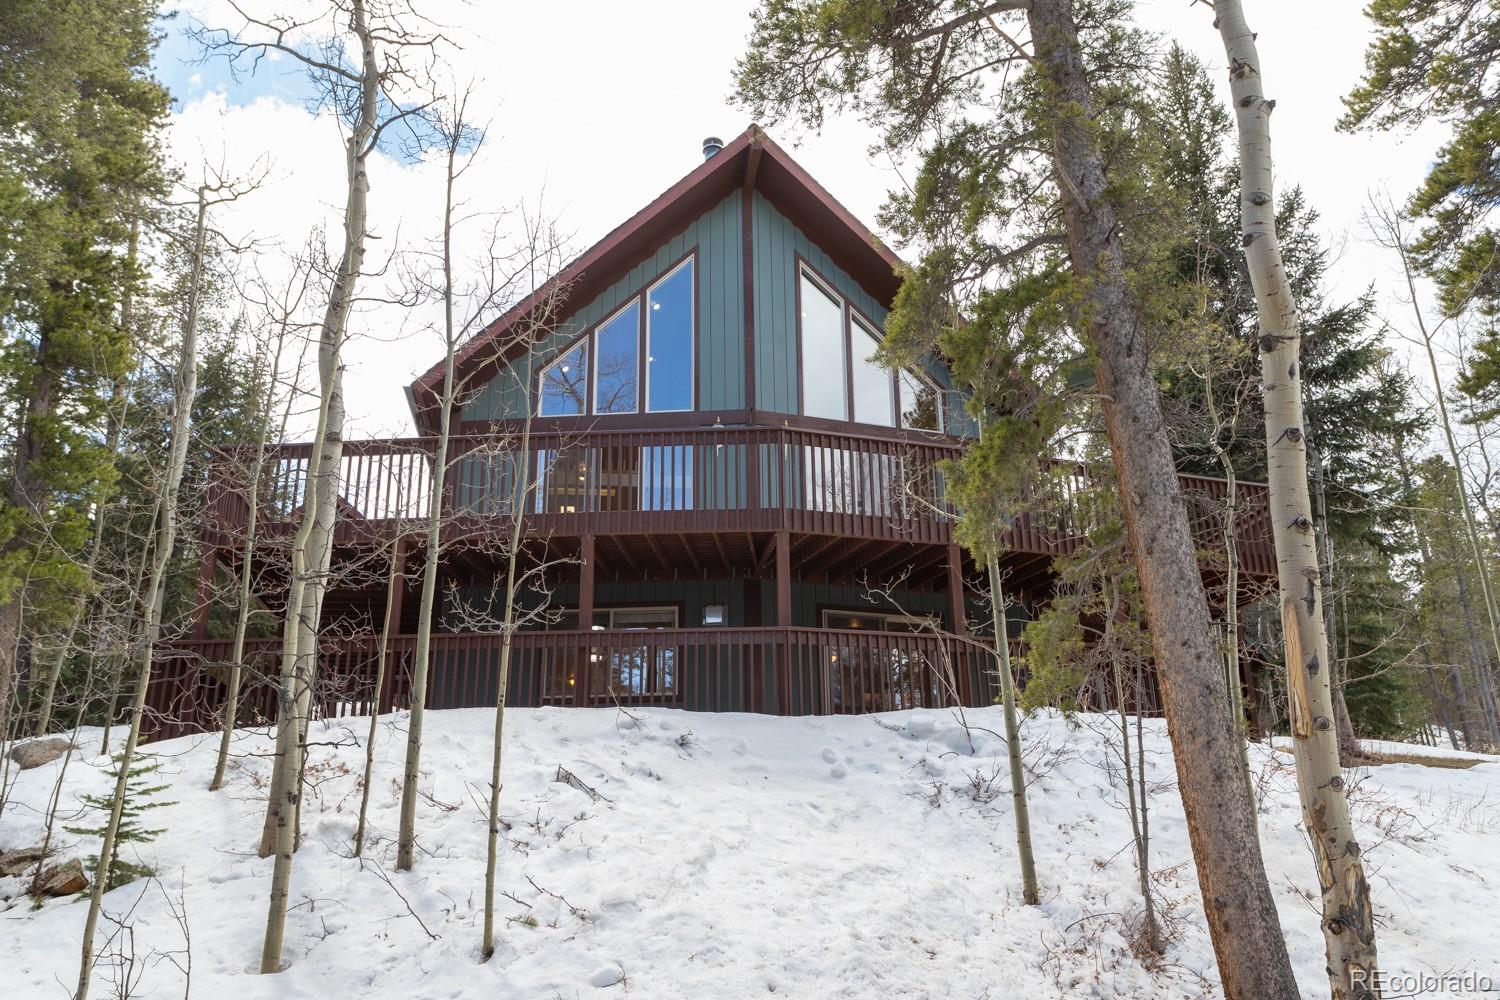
609 112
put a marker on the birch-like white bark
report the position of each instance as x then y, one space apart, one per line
1348 920
422 655
313 545
185 390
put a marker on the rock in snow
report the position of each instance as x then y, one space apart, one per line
19 861
809 858
35 753
63 880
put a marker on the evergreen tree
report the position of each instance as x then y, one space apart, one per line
1357 402
1434 60
79 158
141 796
1028 118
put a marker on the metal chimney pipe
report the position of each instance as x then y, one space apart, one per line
712 145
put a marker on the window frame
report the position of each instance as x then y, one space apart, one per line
593 339
931 383
850 315
590 339
808 272
875 333
610 610
885 617
561 356
644 297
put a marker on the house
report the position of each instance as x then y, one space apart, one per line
725 504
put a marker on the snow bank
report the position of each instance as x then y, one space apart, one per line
733 856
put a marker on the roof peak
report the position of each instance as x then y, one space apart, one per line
750 162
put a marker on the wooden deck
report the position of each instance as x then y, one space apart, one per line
679 482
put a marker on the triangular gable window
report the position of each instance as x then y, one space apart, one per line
605 370
841 380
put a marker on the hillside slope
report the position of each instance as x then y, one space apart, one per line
734 856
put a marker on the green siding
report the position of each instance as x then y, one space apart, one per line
809 600
777 244
721 317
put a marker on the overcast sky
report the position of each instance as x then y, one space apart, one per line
598 111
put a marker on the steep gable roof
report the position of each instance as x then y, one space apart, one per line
750 162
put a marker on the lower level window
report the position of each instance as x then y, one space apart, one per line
871 621
623 667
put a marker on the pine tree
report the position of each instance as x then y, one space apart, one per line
141 796
1029 173
79 161
1434 60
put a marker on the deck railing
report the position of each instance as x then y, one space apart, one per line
689 479
777 671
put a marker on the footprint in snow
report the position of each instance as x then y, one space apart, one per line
829 756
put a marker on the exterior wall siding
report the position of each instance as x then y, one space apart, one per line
720 361
777 243
720 369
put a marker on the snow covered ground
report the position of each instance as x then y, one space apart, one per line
734 856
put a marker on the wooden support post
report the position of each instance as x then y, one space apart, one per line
783 578
205 593
958 650
583 674
784 617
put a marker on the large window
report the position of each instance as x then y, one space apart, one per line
617 361
565 384
669 341
873 400
841 380
618 666
823 390
640 357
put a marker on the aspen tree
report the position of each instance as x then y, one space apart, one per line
184 391
1348 918
371 87
244 599
456 135
920 72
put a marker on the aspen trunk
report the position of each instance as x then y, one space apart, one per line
519 494
1237 901
1348 919
312 547
421 656
1029 892
166 537
247 563
394 578
117 675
